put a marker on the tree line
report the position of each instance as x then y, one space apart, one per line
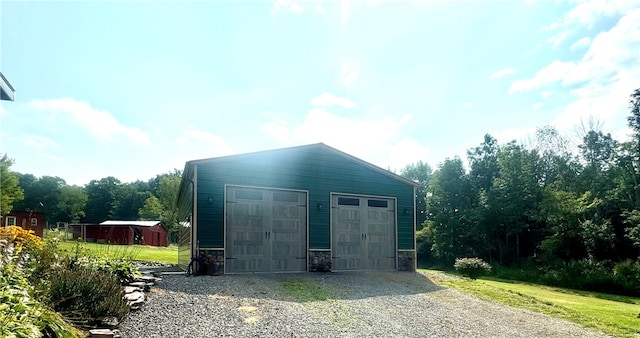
99 200
546 202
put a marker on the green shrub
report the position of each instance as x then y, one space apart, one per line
472 267
21 315
627 274
124 270
424 243
87 293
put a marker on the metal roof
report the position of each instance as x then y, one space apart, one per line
316 145
134 223
6 90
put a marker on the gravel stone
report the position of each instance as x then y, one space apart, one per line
357 304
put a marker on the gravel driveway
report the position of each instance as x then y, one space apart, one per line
380 304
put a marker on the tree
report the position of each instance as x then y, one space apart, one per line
41 194
152 210
167 193
599 152
128 201
631 161
634 119
10 191
554 155
420 173
563 212
448 222
101 199
71 204
514 196
483 161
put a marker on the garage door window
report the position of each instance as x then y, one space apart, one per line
285 196
248 195
348 201
378 203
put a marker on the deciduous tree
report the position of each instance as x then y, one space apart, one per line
420 173
10 191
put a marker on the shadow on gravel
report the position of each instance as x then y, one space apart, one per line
303 287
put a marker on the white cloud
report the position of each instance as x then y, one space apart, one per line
603 78
520 135
286 6
552 26
587 11
538 105
584 42
320 9
502 73
198 144
601 101
612 52
613 60
53 157
277 131
193 135
98 123
467 105
344 12
349 74
328 100
378 140
40 143
406 151
556 40
556 71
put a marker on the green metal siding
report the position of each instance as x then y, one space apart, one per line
315 169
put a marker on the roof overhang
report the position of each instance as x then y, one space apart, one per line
6 91
130 223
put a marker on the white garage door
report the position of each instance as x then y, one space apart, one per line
266 230
363 233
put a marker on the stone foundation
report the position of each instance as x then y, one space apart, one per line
213 262
319 261
406 261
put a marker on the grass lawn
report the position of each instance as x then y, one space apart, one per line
135 252
615 315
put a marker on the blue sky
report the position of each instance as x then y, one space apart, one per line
134 89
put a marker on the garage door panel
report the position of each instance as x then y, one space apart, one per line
363 233
381 263
266 230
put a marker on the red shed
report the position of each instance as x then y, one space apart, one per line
29 220
124 232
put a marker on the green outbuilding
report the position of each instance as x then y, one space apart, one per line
305 208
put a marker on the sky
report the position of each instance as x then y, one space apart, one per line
132 89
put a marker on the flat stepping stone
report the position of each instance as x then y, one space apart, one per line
134 296
101 333
108 322
131 289
148 279
143 285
